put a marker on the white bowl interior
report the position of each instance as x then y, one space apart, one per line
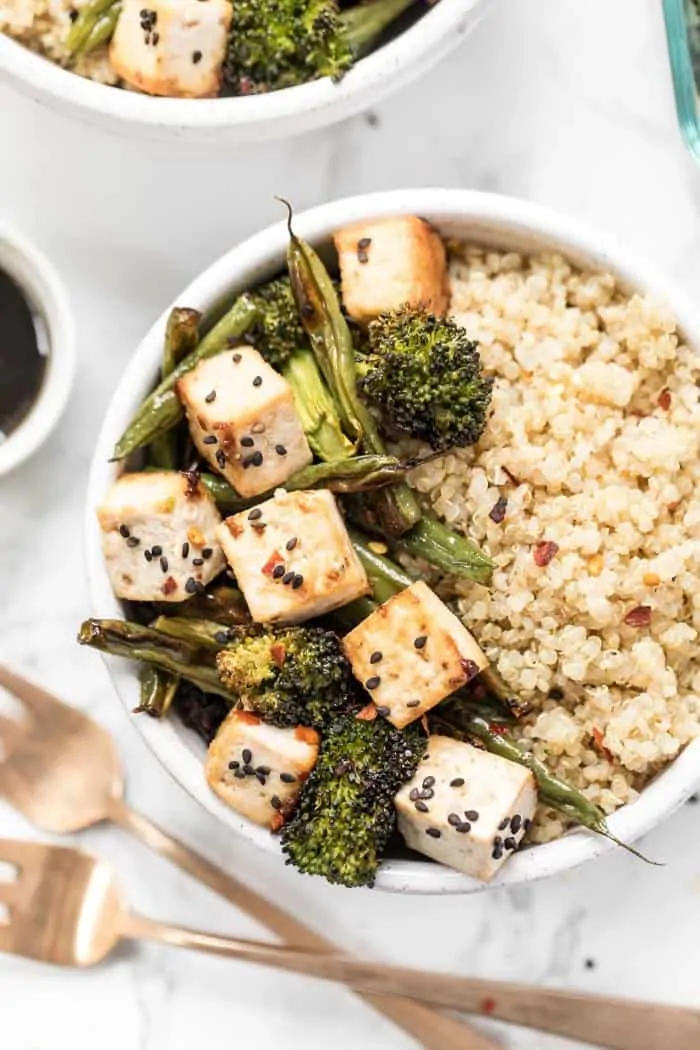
37 278
487 219
254 118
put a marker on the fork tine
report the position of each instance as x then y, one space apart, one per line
30 694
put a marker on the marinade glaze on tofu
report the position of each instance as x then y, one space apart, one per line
258 769
466 808
386 263
172 47
243 420
412 653
292 557
159 536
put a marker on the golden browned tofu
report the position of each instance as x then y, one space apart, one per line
412 653
258 769
292 557
385 263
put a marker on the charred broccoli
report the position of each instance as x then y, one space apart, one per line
424 373
282 43
346 813
288 675
278 331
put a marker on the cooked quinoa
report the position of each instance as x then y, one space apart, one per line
594 610
42 26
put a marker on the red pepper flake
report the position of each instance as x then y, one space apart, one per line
639 616
169 587
544 552
488 1005
511 476
278 654
498 511
497 729
274 559
367 714
664 401
599 739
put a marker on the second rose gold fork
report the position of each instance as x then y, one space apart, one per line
62 772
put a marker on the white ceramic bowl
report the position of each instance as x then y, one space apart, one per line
500 222
35 275
255 118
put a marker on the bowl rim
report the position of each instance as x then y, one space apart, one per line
276 114
490 217
39 280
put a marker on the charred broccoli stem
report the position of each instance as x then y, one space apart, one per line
345 814
424 373
288 675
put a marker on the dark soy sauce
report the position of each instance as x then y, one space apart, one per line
23 350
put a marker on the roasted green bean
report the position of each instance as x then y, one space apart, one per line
157 691
88 17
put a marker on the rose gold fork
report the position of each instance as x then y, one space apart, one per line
64 907
61 770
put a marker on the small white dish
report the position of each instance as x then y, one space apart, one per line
279 114
37 278
488 219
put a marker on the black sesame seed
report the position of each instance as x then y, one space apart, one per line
222 637
373 682
220 458
277 572
199 587
384 711
510 843
239 774
234 765
237 359
247 755
197 57
471 814
191 586
464 827
154 39
427 793
291 544
185 549
375 657
210 439
132 541
458 782
261 778
248 770
148 556
247 442
287 778
288 577
590 964
421 807
256 459
413 703
255 514
428 782
454 819
207 553
276 802
420 641
164 564
498 841
73 14
257 381
362 256
527 824
434 833
497 853
504 824
198 561
280 450
124 531
364 242
297 581
516 823
413 794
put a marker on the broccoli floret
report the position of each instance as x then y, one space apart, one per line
289 675
346 811
424 373
278 332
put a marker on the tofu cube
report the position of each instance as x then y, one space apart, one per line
172 47
258 769
159 536
412 653
466 808
385 263
243 420
292 557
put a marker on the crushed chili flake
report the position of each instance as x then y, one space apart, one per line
488 1005
276 822
269 566
599 739
169 587
278 654
511 476
367 714
664 400
497 729
639 616
498 511
544 552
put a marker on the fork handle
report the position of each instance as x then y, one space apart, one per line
433 1030
607 1022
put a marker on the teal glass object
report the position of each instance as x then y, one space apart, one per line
682 19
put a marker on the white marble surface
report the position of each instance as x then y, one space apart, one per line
560 101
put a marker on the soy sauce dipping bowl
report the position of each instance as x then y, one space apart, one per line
494 221
37 279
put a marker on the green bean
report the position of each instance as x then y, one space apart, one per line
207 633
181 332
446 550
102 31
89 15
316 407
386 578
221 604
162 409
157 691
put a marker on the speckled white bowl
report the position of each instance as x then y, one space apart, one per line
500 222
256 118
